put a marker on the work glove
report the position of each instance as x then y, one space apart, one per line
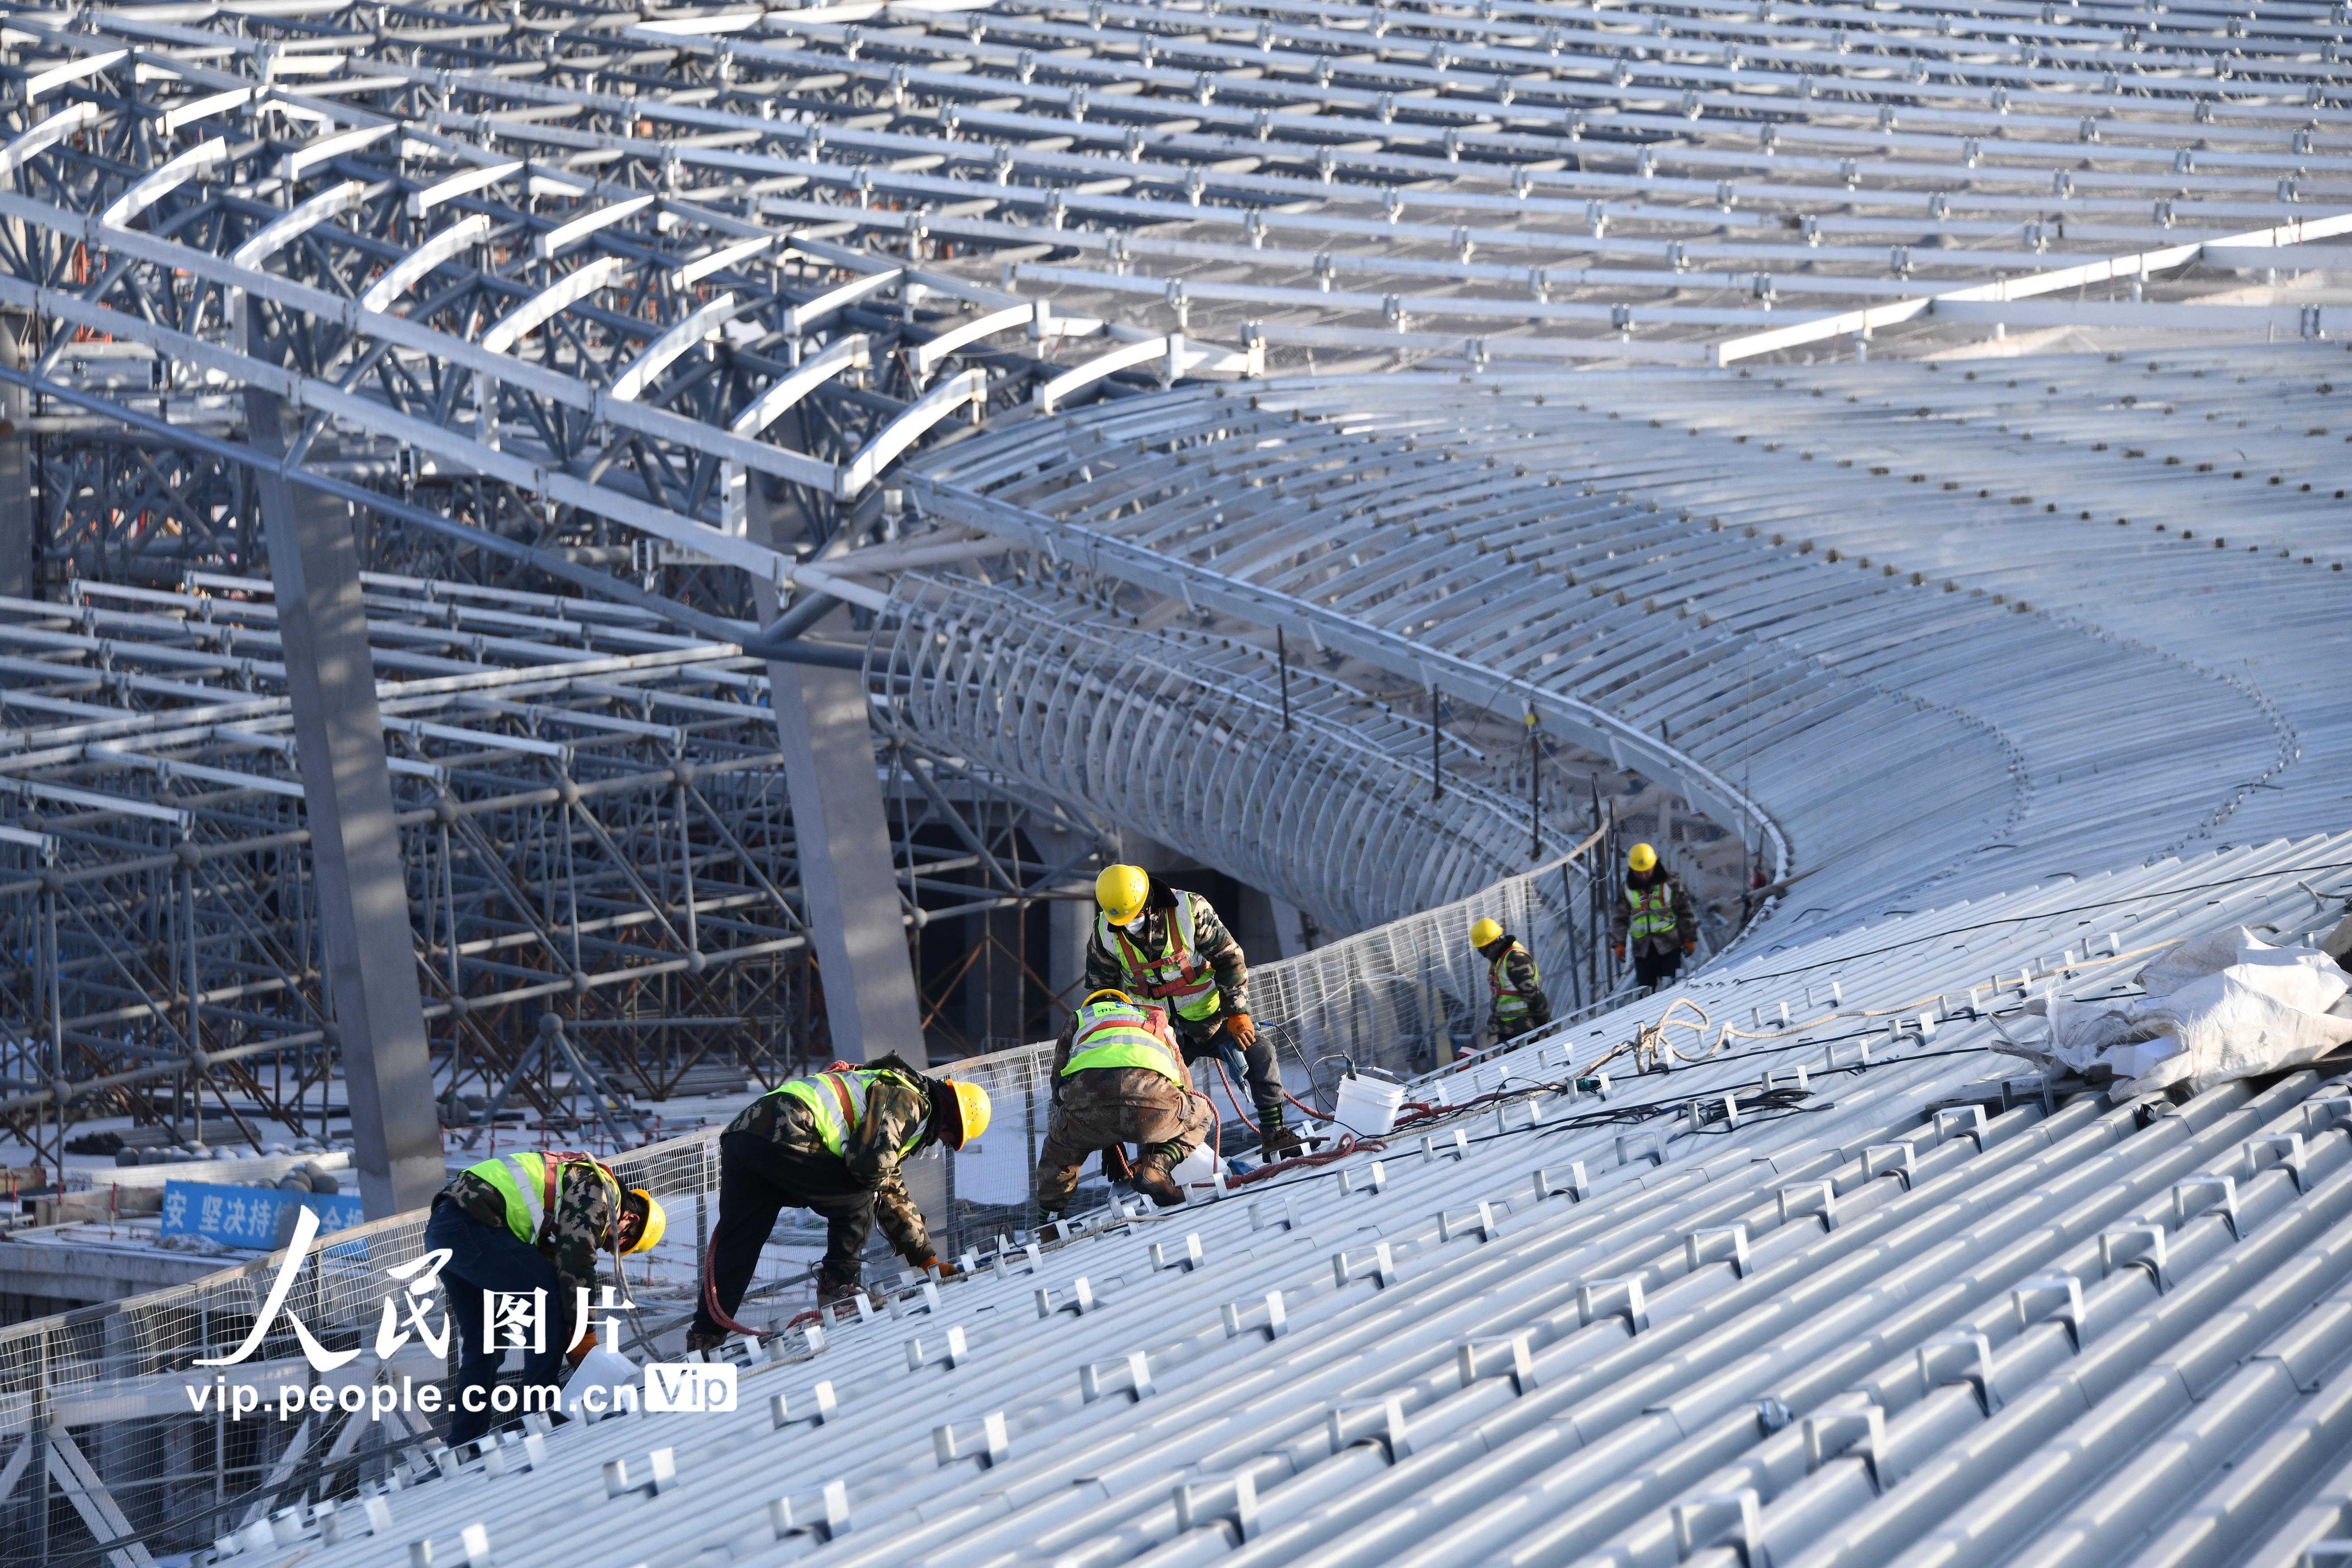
1239 1026
930 1263
700 1340
1115 1165
1690 947
578 1352
1619 949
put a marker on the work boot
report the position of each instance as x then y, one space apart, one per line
1152 1180
834 1290
1274 1141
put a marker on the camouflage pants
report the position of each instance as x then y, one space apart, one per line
1098 1107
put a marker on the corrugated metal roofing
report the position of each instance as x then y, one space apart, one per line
2029 673
1905 1309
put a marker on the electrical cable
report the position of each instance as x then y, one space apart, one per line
711 1303
1649 1043
1349 1144
1308 1110
1234 1098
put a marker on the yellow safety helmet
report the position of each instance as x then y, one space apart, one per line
972 1111
1120 891
1099 995
1484 931
1642 857
655 1223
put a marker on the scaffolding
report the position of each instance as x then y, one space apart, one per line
599 860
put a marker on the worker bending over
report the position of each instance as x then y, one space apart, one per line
1156 942
1119 1077
520 1223
1520 1004
832 1142
1654 918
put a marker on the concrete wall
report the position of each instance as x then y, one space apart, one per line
54 1266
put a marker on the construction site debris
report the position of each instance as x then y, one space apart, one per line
2221 1007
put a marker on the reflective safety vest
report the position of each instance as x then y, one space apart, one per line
1177 976
1118 1035
837 1100
1510 1005
530 1183
1653 909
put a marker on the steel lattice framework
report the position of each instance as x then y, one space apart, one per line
1258 766
588 269
592 824
1023 371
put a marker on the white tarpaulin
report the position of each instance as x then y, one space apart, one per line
2225 1005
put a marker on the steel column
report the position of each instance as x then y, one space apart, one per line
847 882
355 843
18 576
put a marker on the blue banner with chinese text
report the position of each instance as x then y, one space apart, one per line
258 1219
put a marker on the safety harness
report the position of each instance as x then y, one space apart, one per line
1178 974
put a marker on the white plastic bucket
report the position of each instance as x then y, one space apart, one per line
1368 1107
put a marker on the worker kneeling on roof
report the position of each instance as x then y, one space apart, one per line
832 1142
1119 1077
524 1223
1160 944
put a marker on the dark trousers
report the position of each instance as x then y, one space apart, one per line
1651 970
757 1179
1204 1041
483 1260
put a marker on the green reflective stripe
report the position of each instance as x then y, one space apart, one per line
1653 909
1509 1002
1163 979
822 1110
521 1180
825 1106
1124 1048
1114 1036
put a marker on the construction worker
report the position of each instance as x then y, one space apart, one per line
1119 1077
832 1142
520 1223
1156 942
1654 918
1520 1004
